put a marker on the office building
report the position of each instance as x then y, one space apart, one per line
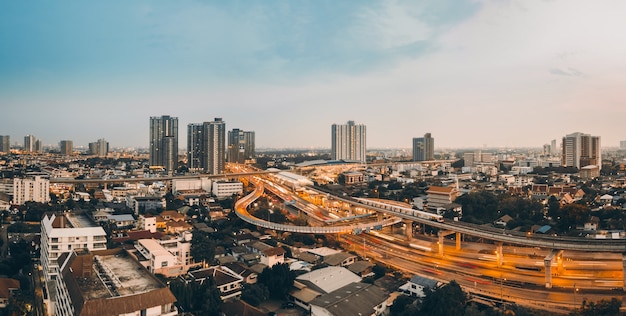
66 147
99 148
206 146
240 146
553 148
33 188
164 142
622 144
348 142
5 143
109 282
424 148
581 150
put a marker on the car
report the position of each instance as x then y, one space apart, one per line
288 305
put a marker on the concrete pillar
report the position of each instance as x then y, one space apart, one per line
499 254
548 264
458 241
440 244
559 262
379 216
624 269
408 229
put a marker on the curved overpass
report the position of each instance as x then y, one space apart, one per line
506 236
194 176
241 210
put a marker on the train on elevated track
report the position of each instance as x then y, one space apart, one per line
403 210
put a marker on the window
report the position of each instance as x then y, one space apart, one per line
55 239
164 264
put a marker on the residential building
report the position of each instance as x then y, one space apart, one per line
34 187
348 142
5 143
7 287
418 286
164 142
147 222
109 282
424 148
229 283
353 299
581 150
66 147
318 282
142 204
206 146
441 196
622 144
64 233
240 146
99 148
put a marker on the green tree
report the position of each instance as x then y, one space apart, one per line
278 279
255 294
479 207
447 300
201 298
603 307
401 303
202 247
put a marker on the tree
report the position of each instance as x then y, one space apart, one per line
278 279
447 300
201 298
255 294
401 303
479 207
202 247
603 307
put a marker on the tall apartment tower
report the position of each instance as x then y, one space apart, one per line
33 187
99 148
240 146
622 144
424 148
195 145
5 143
553 149
348 142
215 146
581 150
206 146
164 142
66 147
30 143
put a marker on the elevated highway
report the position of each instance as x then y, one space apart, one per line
241 209
166 178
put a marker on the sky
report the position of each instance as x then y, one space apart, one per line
472 73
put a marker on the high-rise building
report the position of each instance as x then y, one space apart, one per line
66 147
206 146
29 143
348 142
622 144
195 145
553 148
424 148
581 150
215 142
99 148
164 142
5 143
240 145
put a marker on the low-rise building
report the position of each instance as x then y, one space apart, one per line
109 282
7 287
353 299
226 189
227 282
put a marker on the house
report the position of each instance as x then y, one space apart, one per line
249 276
227 282
7 287
503 220
319 282
340 259
353 299
439 196
592 223
361 268
417 286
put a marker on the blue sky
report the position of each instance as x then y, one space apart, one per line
472 73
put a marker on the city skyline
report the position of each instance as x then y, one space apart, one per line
473 73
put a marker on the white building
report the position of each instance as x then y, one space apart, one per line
147 222
223 189
64 233
34 188
191 185
169 257
109 282
227 282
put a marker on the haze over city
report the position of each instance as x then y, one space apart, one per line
472 73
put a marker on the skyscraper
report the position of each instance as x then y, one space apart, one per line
206 146
348 141
215 146
99 148
580 150
424 148
29 143
164 142
240 145
66 147
5 143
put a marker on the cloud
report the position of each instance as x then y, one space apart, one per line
570 72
